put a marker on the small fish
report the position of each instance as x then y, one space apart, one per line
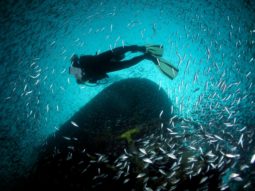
53 42
7 98
232 156
218 137
56 128
238 179
33 63
247 75
160 115
172 110
195 77
61 87
250 85
63 71
253 159
227 110
71 147
187 66
118 164
193 148
196 90
124 157
228 124
201 150
240 142
220 164
210 154
243 167
125 150
192 159
111 27
172 118
118 38
170 155
37 81
128 168
159 158
203 180
233 175
199 170
162 171
143 151
224 187
141 175
146 188
69 156
247 185
36 76
242 129
175 181
163 151
160 85
67 138
74 124
147 160
126 181
25 88
171 175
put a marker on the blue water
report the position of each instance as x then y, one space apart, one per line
211 42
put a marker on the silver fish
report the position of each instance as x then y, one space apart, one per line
162 171
203 180
147 160
141 175
47 108
160 115
143 151
36 76
67 138
240 142
74 124
170 155
126 181
253 159
232 156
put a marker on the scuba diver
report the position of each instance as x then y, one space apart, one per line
92 68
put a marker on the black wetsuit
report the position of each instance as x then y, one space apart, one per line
94 68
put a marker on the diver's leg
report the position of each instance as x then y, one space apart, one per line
118 53
114 66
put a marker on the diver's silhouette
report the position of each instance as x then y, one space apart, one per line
91 68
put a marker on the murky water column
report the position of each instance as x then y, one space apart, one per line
212 43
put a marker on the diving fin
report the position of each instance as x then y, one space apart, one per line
154 50
167 68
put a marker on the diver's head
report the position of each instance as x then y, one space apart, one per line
77 72
75 69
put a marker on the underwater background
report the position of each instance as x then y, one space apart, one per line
211 42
